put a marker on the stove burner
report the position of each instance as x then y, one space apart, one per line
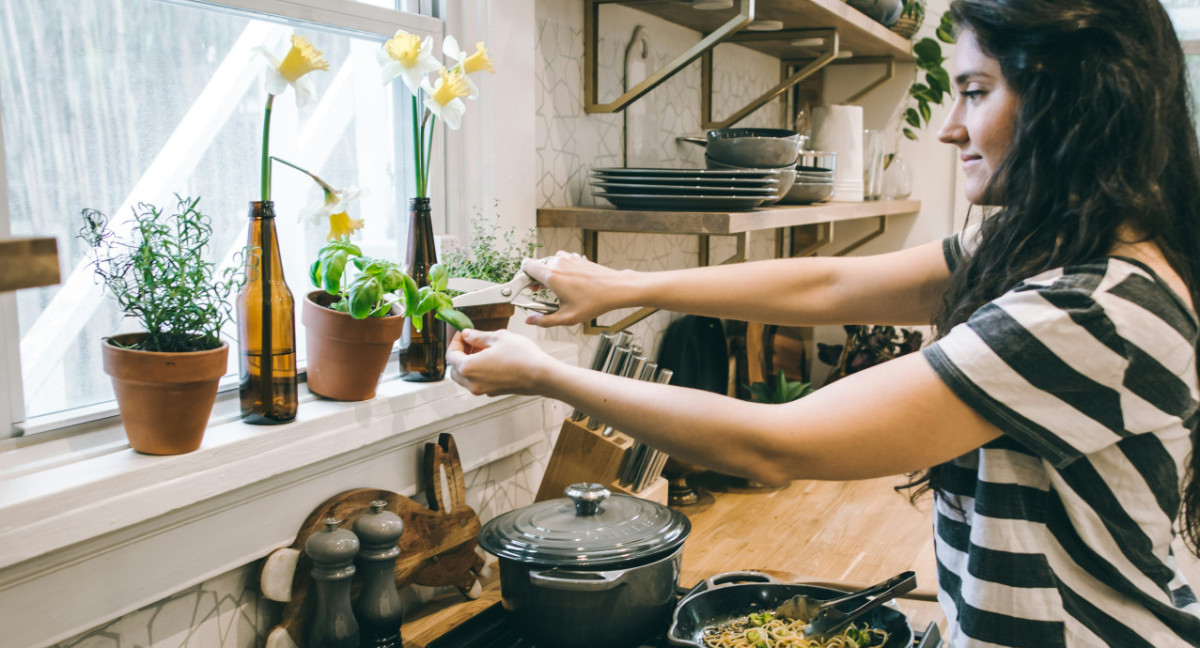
492 629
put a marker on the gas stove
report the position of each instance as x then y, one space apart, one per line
492 629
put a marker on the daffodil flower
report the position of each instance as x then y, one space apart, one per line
468 63
406 56
301 59
444 100
334 207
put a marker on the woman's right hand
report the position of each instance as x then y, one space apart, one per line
497 362
585 290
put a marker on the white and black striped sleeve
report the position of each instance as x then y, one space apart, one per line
1045 364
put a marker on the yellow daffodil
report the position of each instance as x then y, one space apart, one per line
468 63
406 56
301 59
445 99
334 207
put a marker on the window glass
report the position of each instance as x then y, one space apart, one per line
107 103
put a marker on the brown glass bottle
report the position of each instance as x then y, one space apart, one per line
266 326
422 353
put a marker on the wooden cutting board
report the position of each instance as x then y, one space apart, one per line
437 548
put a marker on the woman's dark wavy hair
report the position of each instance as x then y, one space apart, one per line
1103 136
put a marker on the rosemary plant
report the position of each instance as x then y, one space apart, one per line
159 275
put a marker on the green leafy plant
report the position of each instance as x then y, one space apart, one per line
779 390
160 275
367 287
493 255
937 80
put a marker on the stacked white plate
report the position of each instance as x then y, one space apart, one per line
687 189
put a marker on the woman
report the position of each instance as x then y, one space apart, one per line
1055 416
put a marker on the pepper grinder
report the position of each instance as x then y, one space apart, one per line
378 606
332 552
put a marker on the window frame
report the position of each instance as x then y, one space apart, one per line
344 15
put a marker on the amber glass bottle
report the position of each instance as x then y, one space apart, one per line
266 326
422 353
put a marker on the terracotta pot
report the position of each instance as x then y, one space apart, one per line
490 317
165 398
346 356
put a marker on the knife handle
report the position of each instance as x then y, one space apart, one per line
620 356
604 348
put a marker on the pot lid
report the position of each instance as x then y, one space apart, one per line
591 527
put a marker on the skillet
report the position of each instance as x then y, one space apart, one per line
725 597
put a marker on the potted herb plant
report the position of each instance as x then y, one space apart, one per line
165 377
494 255
355 317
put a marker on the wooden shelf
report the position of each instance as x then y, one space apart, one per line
608 219
858 33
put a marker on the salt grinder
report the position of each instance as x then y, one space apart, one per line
332 552
378 606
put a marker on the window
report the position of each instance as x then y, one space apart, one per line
109 103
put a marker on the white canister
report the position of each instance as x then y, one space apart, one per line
840 129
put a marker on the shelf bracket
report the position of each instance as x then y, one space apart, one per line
880 228
888 73
591 55
831 39
591 245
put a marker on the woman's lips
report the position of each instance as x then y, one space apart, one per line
969 160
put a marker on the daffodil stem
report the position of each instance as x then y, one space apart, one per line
266 150
417 139
429 153
324 185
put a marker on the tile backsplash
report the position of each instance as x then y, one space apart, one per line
226 611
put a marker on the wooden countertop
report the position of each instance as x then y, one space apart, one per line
853 532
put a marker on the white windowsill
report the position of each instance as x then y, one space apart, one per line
70 529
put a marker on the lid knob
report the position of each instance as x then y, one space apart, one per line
587 497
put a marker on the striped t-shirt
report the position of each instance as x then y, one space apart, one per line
1065 522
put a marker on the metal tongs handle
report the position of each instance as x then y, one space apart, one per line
831 619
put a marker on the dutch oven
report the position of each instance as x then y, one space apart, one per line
592 570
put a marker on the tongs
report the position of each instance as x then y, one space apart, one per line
477 292
828 616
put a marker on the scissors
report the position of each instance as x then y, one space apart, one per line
477 292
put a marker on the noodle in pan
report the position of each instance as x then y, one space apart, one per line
765 631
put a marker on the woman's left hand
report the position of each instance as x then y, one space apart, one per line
497 362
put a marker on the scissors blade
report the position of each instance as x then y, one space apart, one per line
493 295
464 285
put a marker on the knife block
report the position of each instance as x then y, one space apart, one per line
583 455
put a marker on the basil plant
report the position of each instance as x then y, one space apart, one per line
367 287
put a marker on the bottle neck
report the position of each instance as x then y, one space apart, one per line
263 240
422 253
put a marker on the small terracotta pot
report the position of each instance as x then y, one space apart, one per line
489 317
346 356
165 398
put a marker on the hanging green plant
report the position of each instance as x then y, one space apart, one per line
936 84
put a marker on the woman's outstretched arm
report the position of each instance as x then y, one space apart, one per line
893 418
899 288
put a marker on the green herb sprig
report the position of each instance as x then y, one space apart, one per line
160 275
493 254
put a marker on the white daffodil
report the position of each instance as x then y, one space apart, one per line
468 63
334 207
444 100
301 59
406 56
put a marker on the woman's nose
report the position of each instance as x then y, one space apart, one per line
952 130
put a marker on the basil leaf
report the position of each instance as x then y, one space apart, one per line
454 318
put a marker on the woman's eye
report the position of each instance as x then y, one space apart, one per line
972 95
